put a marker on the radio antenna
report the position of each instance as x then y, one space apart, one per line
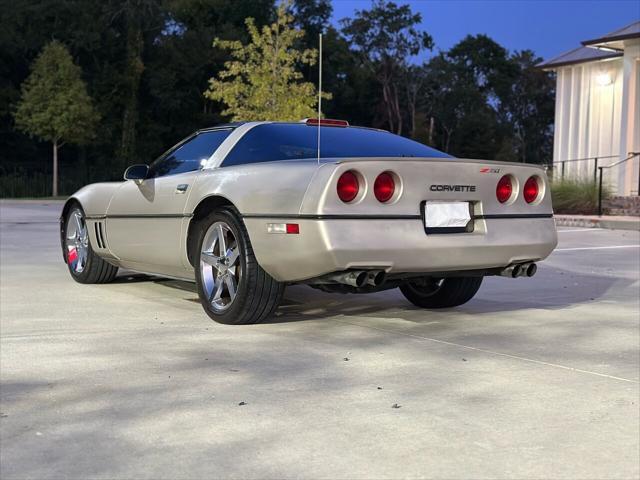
319 94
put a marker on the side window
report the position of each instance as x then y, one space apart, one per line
189 156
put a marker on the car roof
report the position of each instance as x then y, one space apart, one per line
266 122
221 125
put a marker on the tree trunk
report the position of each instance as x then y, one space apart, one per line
413 89
448 132
413 121
388 105
135 67
54 187
398 113
412 112
431 126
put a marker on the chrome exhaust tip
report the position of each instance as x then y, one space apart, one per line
375 278
520 270
532 268
517 271
513 271
355 279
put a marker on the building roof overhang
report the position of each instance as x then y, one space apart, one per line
576 56
615 40
603 48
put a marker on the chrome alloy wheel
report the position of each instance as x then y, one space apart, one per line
220 266
77 241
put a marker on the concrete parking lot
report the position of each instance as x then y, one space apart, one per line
534 378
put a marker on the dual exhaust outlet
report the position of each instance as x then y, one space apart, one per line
375 278
359 278
520 270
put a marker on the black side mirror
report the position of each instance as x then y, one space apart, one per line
136 172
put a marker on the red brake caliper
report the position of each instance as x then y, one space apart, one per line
72 256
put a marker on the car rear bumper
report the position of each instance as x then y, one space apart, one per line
395 245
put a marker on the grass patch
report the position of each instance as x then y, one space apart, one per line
572 196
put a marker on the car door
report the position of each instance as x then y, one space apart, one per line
146 219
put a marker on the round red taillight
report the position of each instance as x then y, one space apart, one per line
348 186
531 190
384 187
504 189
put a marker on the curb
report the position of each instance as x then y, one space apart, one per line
610 223
31 201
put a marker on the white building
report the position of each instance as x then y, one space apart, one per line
598 108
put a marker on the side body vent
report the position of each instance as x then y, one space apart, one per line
100 236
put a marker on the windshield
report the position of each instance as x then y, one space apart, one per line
290 141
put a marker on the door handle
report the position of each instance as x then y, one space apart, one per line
182 188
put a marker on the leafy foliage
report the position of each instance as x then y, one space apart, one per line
147 62
527 108
386 36
262 82
311 16
54 104
467 83
488 103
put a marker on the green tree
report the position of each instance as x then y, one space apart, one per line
180 62
140 16
313 17
161 105
262 82
54 104
467 85
527 110
386 36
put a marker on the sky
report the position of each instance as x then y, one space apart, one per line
548 27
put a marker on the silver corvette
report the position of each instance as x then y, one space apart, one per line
246 209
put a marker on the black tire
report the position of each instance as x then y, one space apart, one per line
441 293
257 293
94 269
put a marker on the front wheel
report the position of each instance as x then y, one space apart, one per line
430 292
232 287
84 264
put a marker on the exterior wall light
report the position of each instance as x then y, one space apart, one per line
603 79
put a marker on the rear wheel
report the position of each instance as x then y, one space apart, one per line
232 287
84 264
430 292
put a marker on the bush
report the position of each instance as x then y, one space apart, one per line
18 184
574 196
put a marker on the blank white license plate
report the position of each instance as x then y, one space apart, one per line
447 217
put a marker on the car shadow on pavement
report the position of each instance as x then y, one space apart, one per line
132 277
551 289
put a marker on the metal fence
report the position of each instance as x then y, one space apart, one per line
34 179
558 170
631 156
595 160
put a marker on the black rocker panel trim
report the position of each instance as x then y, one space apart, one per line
388 217
141 215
